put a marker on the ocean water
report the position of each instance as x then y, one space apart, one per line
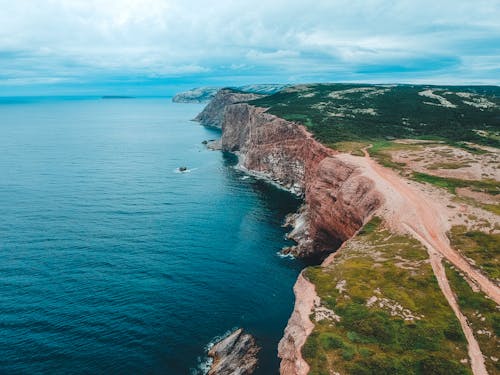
112 262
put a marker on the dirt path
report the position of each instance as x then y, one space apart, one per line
429 225
421 216
474 351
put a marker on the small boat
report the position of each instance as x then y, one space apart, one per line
182 169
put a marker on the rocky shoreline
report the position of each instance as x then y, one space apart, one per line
338 198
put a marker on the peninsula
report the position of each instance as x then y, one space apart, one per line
401 210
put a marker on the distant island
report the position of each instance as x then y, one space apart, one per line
117 97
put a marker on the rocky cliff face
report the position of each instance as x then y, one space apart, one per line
213 113
299 327
234 355
338 199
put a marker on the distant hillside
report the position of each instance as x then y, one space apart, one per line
205 94
352 112
197 95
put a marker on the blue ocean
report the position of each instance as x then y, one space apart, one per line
113 262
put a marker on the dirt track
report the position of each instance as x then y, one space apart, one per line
429 224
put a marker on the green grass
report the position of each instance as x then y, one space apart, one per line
482 315
495 208
435 166
481 247
354 148
369 340
451 184
381 151
400 113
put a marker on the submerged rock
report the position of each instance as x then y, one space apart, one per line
234 355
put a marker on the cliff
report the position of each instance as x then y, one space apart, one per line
341 192
213 113
337 197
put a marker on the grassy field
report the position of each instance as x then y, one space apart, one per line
338 113
393 318
483 316
482 248
451 184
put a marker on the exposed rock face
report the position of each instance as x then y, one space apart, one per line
338 199
299 327
213 113
234 355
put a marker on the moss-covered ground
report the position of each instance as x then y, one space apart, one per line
393 316
483 248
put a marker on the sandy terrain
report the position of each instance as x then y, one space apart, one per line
446 161
442 102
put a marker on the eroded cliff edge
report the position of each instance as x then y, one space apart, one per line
213 114
338 199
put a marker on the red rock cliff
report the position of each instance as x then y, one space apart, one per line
213 113
338 199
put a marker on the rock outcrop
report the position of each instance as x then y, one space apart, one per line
213 113
234 355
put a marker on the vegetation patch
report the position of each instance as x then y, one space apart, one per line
354 148
368 113
392 316
451 184
435 166
483 248
483 316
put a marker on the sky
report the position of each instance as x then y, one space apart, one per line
159 47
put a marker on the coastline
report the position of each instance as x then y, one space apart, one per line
303 167
341 193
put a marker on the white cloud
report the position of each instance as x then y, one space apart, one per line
324 39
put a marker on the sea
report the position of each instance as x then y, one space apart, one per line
114 262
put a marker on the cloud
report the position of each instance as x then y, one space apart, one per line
93 41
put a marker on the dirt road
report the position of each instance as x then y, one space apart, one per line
430 225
